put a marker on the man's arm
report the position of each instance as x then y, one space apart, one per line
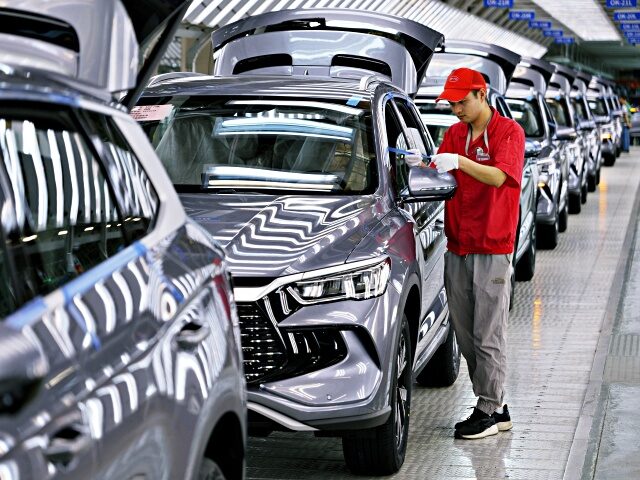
483 173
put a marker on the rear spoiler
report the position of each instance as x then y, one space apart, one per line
327 42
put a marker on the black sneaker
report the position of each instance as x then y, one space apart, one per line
478 425
503 420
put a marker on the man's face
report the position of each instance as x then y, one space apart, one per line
468 109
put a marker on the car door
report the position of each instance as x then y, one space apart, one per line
403 123
61 228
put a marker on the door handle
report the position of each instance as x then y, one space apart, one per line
66 444
192 334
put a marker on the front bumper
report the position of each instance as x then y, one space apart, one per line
352 393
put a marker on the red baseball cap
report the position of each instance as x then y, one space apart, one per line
460 82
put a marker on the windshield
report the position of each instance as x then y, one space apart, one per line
527 114
559 111
253 144
580 108
598 107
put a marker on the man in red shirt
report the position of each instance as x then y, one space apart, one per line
485 154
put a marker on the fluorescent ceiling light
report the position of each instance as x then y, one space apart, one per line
586 18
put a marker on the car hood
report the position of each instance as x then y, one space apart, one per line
270 236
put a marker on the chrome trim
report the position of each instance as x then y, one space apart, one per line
253 294
279 418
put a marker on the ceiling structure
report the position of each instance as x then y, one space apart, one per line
599 45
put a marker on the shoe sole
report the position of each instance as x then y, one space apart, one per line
504 426
492 430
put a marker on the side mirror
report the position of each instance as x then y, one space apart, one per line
566 134
22 367
532 149
426 184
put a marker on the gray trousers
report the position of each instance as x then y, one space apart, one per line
478 288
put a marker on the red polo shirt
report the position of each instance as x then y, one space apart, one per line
481 218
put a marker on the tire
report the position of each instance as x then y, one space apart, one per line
608 160
209 470
598 176
443 368
575 204
547 235
563 219
526 267
591 183
584 193
381 450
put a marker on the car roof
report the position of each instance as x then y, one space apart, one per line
350 91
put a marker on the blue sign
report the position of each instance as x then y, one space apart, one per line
522 15
540 24
632 34
630 27
553 33
621 3
565 40
626 16
499 3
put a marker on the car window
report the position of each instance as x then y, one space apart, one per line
414 127
255 144
598 107
580 108
61 219
437 133
559 111
527 114
503 108
397 143
137 199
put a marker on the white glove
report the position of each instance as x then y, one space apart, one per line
445 161
415 159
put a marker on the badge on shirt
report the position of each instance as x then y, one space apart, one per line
481 156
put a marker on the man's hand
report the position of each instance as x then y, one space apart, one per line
445 161
415 159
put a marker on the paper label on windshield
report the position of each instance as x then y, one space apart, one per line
148 113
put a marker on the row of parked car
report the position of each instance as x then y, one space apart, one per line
246 251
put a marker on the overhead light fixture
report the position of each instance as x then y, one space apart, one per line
586 18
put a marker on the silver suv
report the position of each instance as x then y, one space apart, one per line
293 157
119 340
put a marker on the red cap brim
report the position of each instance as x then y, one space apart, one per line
453 95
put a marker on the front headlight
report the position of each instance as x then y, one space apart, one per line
357 284
606 136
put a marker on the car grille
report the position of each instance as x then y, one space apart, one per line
262 347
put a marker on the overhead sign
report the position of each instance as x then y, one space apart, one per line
621 3
522 15
553 33
499 3
630 27
626 16
540 24
564 40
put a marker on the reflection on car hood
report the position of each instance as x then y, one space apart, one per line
271 235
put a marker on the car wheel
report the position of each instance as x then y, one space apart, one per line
209 470
583 194
443 368
591 183
526 267
608 159
575 203
548 235
381 450
598 176
563 218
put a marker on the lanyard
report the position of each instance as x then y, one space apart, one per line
486 140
